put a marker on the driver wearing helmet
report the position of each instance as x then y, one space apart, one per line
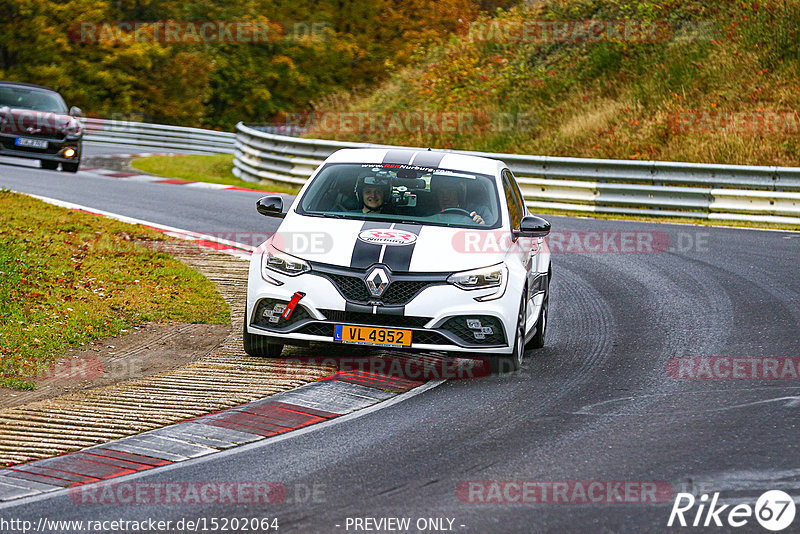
451 194
374 194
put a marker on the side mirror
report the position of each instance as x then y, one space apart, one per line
75 112
271 206
533 226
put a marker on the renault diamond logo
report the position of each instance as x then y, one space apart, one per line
377 281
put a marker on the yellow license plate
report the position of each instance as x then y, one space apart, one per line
367 335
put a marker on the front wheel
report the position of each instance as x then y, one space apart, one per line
508 363
537 341
256 345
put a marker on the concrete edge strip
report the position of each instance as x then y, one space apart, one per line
274 418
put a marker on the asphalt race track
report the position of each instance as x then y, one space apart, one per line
601 403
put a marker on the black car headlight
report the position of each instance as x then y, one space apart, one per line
283 263
73 130
495 276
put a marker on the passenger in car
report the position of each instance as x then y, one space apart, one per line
374 194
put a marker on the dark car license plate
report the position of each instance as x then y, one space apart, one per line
30 143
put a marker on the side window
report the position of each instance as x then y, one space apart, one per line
512 201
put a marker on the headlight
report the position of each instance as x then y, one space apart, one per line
275 260
73 129
488 277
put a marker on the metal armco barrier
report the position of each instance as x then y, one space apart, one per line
158 136
652 188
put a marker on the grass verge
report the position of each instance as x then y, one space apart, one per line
67 278
216 169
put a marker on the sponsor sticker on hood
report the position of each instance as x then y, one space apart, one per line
392 238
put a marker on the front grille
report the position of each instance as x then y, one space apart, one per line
429 337
268 315
476 329
317 329
351 287
371 319
399 292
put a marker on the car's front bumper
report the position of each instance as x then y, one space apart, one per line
437 315
54 151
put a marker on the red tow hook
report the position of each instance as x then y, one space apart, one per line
292 303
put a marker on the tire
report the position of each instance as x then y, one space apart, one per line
508 363
48 165
70 167
256 345
537 341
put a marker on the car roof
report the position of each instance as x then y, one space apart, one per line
24 84
437 159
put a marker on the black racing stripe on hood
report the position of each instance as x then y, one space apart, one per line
365 254
398 259
400 157
429 159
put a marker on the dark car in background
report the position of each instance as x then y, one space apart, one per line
36 124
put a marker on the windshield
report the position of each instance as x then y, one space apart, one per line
403 193
31 98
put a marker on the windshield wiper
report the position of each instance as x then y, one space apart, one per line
406 221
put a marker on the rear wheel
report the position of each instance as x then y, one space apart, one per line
508 363
70 167
49 165
256 345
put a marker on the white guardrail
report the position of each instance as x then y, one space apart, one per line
158 136
652 188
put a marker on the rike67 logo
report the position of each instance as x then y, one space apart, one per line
774 510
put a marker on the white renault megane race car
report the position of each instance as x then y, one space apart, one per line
403 249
